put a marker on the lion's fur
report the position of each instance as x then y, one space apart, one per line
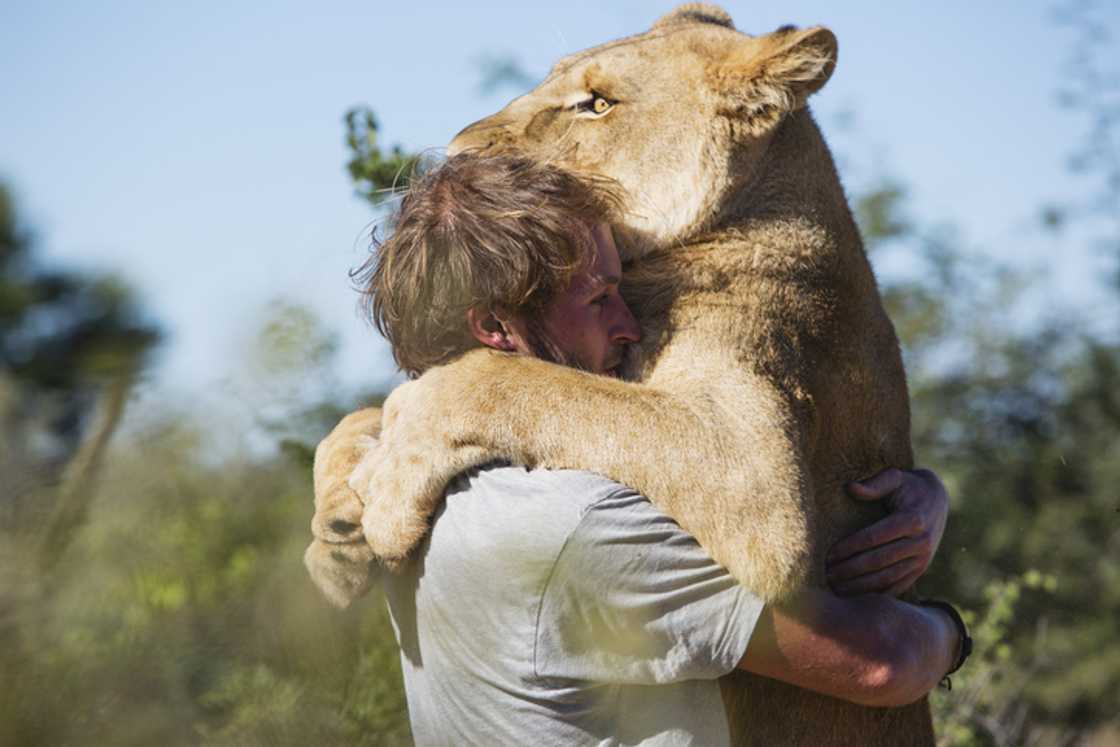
770 374
338 557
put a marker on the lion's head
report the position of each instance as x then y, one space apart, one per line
679 115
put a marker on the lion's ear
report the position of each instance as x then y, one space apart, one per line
769 76
695 13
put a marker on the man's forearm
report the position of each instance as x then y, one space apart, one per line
873 649
930 646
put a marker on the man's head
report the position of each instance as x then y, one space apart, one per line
504 252
586 325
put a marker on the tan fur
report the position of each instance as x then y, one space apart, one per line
339 559
770 374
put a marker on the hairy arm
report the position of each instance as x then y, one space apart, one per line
873 649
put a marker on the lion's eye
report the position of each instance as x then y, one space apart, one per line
596 104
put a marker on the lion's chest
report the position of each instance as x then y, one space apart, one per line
771 316
796 323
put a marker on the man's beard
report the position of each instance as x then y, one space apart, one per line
541 345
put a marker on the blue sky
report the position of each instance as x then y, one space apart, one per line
196 149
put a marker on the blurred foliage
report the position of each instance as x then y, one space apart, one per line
984 703
61 331
179 611
501 71
380 173
1091 88
71 346
376 174
153 593
182 615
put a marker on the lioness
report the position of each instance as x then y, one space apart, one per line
770 373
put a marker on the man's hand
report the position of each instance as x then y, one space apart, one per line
891 554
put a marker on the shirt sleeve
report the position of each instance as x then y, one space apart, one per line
633 599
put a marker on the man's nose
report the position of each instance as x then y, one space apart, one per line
626 329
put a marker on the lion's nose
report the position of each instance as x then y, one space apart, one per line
481 135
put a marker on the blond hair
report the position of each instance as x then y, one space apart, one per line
498 233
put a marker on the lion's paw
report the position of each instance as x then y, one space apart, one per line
342 572
402 487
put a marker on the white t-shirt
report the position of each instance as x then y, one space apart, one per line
561 608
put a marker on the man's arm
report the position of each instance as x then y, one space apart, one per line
873 649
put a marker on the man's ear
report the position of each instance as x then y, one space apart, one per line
769 76
489 330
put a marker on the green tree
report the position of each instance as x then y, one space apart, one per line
180 613
70 347
377 173
1091 88
60 331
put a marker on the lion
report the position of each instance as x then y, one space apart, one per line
768 375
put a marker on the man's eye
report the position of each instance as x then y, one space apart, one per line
596 104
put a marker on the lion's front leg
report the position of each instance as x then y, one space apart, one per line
338 559
420 451
338 510
723 462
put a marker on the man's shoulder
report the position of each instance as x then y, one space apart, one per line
502 516
507 504
533 494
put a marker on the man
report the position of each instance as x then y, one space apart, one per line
560 607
